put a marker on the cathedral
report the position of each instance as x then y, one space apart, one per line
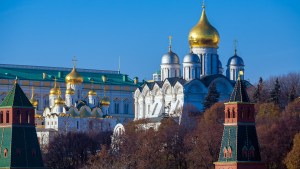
175 88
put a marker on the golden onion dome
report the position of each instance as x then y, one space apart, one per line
59 101
92 92
34 102
74 77
55 90
204 34
70 91
105 101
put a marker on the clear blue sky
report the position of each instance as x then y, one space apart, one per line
51 32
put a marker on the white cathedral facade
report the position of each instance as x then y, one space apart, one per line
179 89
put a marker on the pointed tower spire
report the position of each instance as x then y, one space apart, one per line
239 93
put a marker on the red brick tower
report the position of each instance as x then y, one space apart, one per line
239 146
19 146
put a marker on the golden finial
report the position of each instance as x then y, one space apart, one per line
240 74
235 46
16 80
32 92
74 61
59 91
55 82
170 43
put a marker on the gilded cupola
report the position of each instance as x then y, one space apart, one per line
92 92
105 101
32 100
59 101
55 90
70 91
74 77
204 34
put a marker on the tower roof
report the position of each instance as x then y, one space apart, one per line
16 98
239 93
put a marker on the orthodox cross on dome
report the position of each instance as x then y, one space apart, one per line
235 42
203 4
170 43
55 80
32 91
74 61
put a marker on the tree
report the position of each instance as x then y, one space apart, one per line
202 145
292 160
258 90
275 93
72 149
212 96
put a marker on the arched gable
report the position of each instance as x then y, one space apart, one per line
178 88
223 85
156 90
119 129
137 93
167 88
195 86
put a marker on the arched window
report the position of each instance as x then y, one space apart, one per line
251 152
233 113
5 152
228 113
19 116
116 108
1 117
249 110
7 116
242 113
245 152
229 152
225 152
28 117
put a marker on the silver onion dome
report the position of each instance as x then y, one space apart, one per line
235 61
170 58
191 58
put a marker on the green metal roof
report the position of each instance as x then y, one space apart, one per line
42 73
16 98
23 148
240 138
239 93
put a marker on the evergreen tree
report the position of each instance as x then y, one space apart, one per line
275 93
258 90
292 95
212 97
